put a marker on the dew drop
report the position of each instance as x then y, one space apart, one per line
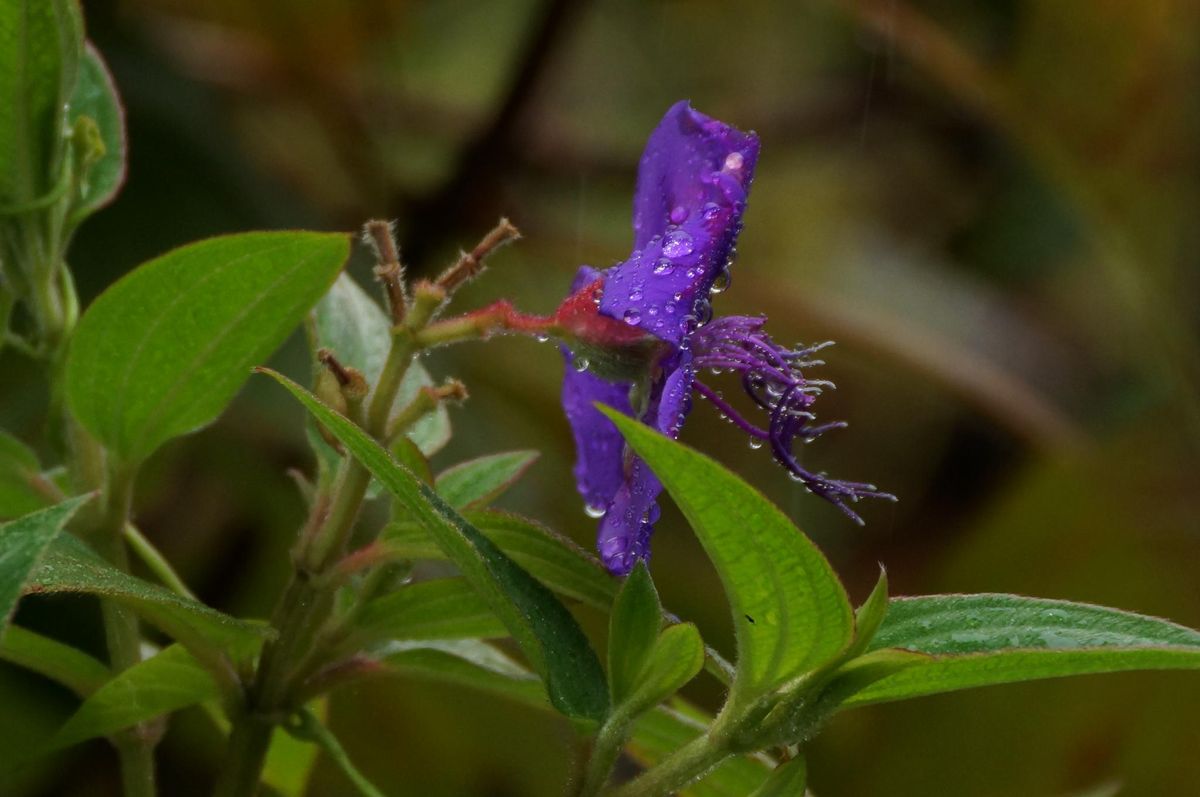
595 510
679 214
664 266
541 337
581 364
635 294
678 244
721 283
632 316
734 161
711 211
756 443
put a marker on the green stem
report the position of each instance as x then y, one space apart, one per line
153 559
676 770
308 600
135 746
605 751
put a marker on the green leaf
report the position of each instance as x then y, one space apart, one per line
555 560
23 544
168 681
661 732
478 482
790 611
95 96
981 640
869 617
19 470
547 633
162 351
676 657
788 780
352 324
445 608
41 42
464 662
69 666
633 629
69 566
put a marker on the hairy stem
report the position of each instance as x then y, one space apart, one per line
675 771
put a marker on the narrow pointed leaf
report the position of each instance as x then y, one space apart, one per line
478 482
168 681
23 544
677 655
71 667
790 611
633 630
555 560
69 566
869 617
545 630
981 640
164 349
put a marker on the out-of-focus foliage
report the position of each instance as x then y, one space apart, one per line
989 206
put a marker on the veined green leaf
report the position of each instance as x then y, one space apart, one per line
164 349
981 640
633 629
168 681
23 544
545 630
69 566
478 482
790 611
59 662
555 560
445 608
95 96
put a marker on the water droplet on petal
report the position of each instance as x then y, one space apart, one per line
721 283
678 244
734 161
711 211
664 266
632 316
635 294
595 510
679 214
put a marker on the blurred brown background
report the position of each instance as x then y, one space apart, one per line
991 206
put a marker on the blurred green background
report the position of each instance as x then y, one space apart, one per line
991 206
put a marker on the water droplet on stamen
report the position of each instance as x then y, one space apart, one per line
756 443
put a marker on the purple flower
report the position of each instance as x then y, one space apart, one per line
641 332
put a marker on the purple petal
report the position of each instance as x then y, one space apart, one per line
691 194
598 444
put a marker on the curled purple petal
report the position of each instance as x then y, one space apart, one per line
691 193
